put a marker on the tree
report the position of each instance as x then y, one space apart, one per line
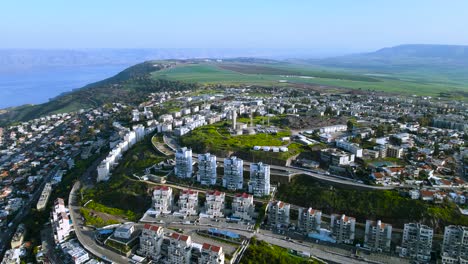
350 125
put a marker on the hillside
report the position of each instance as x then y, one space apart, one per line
129 86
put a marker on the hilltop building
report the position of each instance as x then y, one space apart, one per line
259 183
206 169
378 236
233 173
417 242
343 228
184 163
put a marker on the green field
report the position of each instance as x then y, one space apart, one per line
407 81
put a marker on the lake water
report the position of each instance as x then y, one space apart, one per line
38 85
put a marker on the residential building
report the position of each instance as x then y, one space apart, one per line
60 221
336 157
124 231
179 249
310 220
455 244
417 242
188 202
395 152
278 214
211 254
44 198
206 169
243 206
184 164
233 173
162 200
214 204
259 183
350 147
150 242
378 236
343 228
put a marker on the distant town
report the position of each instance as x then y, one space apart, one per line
204 176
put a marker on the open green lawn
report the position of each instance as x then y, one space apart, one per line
407 82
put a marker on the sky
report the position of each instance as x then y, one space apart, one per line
340 26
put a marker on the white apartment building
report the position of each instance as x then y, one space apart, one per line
417 242
310 220
150 242
214 205
162 200
243 206
179 250
395 152
259 183
233 173
343 228
278 214
206 169
184 163
336 157
350 147
211 254
60 221
455 245
188 202
378 236
333 129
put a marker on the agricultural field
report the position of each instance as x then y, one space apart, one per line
291 74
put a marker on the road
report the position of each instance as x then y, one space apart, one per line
86 238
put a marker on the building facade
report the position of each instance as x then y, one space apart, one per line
184 163
259 183
233 178
243 206
214 204
378 236
150 242
162 200
455 245
310 220
343 228
278 214
188 202
417 242
206 169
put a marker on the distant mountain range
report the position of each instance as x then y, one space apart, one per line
404 55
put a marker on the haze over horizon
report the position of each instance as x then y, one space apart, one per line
331 28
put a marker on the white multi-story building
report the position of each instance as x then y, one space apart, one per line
233 173
206 169
278 214
259 183
61 223
184 164
214 204
336 157
179 250
455 245
333 129
150 242
343 228
211 254
243 206
103 171
77 254
162 200
310 220
378 236
188 202
394 152
417 242
350 147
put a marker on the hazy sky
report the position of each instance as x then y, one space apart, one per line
331 25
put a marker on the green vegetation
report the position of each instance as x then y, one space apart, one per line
112 211
409 82
388 206
118 246
122 194
260 252
94 220
216 139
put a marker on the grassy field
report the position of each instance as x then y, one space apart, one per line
409 82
